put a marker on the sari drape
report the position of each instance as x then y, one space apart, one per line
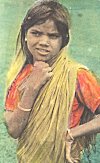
43 138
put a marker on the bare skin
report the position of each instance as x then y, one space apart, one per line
17 120
44 41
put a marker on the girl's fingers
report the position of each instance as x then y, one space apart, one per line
41 64
69 160
76 160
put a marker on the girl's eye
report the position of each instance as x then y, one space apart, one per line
36 33
54 36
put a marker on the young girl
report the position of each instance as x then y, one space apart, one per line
52 102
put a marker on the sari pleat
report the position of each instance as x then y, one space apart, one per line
43 138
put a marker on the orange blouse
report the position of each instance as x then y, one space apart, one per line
87 94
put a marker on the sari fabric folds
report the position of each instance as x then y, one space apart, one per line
43 138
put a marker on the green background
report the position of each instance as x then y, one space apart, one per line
84 47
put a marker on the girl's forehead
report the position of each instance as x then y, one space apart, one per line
48 24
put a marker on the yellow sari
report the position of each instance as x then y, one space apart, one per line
43 138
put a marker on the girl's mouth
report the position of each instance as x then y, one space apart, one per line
42 51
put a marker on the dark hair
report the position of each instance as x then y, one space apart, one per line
42 11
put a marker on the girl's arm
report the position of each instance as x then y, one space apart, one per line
17 120
91 127
88 128
88 94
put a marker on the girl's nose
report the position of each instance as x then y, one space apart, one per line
44 40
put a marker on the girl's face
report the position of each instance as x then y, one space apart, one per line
44 41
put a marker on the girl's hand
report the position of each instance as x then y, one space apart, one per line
69 158
69 140
40 74
68 144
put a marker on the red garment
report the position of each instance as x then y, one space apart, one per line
87 91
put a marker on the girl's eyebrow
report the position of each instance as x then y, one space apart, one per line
37 30
48 33
54 33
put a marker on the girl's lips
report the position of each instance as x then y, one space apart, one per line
42 51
